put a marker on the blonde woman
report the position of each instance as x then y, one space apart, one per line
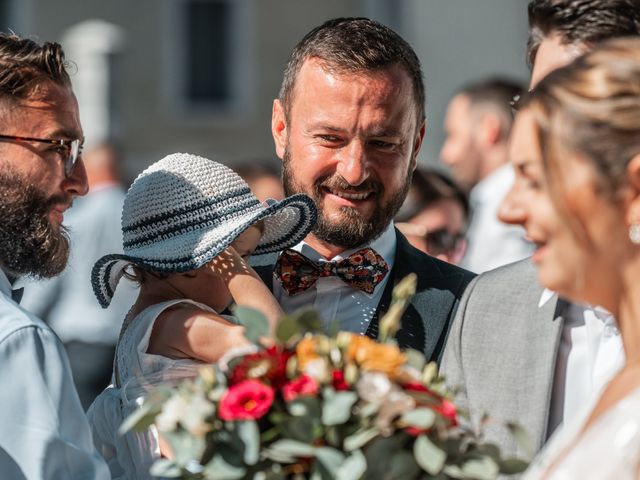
576 150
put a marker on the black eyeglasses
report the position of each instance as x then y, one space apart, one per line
443 241
72 147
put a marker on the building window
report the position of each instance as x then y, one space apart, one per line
210 56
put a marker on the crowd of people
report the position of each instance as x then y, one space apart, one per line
550 342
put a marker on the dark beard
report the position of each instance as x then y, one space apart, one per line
352 230
29 243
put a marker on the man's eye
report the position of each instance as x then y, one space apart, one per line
329 138
382 145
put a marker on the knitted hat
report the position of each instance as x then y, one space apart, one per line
184 210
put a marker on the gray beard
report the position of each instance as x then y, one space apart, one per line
29 244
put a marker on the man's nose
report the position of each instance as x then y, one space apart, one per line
352 164
76 184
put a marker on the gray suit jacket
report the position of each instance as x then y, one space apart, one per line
501 352
427 319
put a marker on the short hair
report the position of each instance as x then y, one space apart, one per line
429 186
354 45
24 64
581 22
497 94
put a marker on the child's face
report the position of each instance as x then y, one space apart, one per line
248 240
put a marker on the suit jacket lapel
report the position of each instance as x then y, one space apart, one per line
425 322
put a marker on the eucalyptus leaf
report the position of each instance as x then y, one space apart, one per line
509 466
166 468
250 435
292 448
429 456
185 446
309 321
353 467
360 438
400 466
337 406
141 419
255 323
483 468
287 328
330 458
219 469
422 418
522 438
415 359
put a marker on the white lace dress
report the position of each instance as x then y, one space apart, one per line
130 456
609 449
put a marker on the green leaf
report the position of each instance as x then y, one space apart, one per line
287 328
291 449
483 468
415 359
428 455
330 458
360 438
219 469
185 446
165 468
141 419
422 418
522 438
250 435
511 466
255 323
400 466
337 406
353 467
309 321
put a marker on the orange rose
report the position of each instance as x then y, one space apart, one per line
306 351
374 356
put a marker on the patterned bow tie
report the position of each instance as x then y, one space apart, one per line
362 270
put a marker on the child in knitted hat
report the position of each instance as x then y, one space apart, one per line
188 225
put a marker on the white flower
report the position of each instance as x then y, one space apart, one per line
172 412
317 369
373 386
198 410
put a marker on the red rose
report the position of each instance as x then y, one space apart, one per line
303 385
449 411
248 400
338 382
269 364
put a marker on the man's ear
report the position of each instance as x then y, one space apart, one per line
279 128
633 199
417 143
490 131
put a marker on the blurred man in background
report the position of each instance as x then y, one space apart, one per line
477 125
434 216
67 302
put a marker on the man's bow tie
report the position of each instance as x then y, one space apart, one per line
362 270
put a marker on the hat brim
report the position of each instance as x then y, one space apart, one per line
286 223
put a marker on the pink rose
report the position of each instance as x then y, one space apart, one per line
303 385
247 400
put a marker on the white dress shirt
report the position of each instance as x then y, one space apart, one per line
589 355
492 243
353 309
44 433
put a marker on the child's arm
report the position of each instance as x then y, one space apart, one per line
246 286
188 332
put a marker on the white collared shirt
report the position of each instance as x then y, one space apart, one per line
44 432
590 353
333 298
492 243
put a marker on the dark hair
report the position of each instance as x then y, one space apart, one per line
24 64
354 45
495 94
583 22
428 187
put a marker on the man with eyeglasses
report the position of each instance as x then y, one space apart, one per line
518 352
44 432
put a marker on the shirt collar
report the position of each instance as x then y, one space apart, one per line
384 245
5 284
601 313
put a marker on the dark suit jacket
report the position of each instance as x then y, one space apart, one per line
426 321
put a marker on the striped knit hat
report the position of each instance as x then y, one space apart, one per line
184 210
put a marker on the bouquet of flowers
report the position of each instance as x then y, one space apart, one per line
317 406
